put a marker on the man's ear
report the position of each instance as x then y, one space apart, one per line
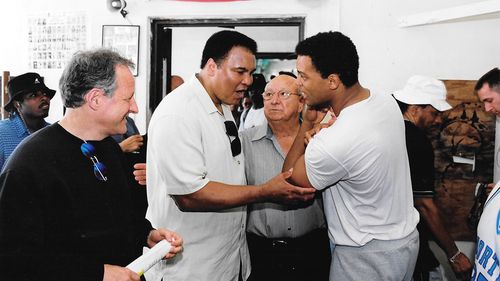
211 67
93 98
333 81
17 104
413 109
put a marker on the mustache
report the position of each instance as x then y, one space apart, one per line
43 103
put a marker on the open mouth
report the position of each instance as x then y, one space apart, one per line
240 93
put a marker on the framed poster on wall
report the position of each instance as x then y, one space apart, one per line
125 40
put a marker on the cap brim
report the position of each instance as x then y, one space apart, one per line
441 105
8 107
415 99
50 93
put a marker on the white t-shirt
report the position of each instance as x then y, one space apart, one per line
487 266
187 148
361 161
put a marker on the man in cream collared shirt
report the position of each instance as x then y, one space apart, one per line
195 169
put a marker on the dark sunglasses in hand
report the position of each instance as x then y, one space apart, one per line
232 131
99 168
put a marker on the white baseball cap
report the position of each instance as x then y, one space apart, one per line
424 90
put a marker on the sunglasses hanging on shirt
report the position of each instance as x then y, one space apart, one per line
99 168
232 131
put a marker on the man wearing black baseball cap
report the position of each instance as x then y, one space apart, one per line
29 102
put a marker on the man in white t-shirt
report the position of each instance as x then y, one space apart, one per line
196 170
486 265
360 162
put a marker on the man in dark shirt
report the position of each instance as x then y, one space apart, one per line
419 101
65 203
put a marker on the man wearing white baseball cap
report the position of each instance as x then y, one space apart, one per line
420 101
423 90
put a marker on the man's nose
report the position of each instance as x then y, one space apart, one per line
133 106
438 120
248 80
488 107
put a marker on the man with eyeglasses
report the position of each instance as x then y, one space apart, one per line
65 204
285 243
195 167
360 162
29 103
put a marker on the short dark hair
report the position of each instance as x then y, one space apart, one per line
220 43
289 73
332 53
492 77
87 70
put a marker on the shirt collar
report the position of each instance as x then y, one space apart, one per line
203 96
262 131
19 126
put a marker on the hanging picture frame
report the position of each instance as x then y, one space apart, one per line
125 40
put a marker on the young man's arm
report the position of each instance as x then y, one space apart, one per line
295 157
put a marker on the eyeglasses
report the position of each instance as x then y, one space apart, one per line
281 95
232 131
99 168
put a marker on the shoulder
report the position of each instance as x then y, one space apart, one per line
6 126
257 131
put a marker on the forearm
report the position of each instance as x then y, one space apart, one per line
298 147
217 196
433 220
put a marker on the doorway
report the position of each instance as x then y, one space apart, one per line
177 44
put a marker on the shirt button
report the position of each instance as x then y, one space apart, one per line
238 162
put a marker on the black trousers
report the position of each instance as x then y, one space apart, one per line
306 258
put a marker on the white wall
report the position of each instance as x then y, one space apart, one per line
389 54
13 19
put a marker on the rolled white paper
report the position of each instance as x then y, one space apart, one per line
147 260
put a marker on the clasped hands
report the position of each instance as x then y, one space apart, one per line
317 119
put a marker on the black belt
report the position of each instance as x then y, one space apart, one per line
303 241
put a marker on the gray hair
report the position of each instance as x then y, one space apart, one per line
87 70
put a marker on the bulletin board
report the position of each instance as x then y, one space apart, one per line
53 37
468 132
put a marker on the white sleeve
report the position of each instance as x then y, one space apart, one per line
322 167
175 154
